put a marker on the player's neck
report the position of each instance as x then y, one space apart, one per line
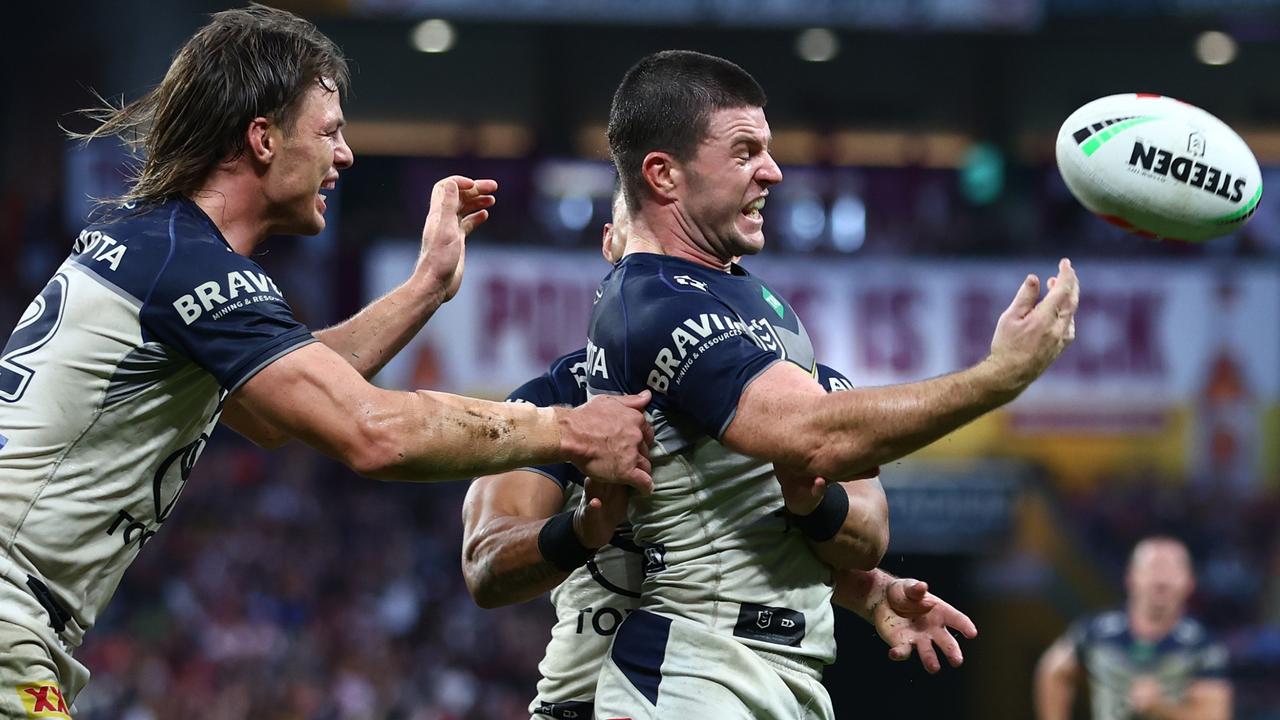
1151 627
643 237
236 208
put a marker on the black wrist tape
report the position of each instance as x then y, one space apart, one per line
560 546
824 522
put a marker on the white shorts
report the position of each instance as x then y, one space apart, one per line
29 677
38 676
659 668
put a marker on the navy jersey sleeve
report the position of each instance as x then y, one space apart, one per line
540 391
222 311
832 380
686 346
562 384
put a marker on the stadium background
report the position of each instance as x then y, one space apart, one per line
920 186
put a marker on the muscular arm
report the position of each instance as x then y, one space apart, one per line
314 395
366 341
1055 681
501 519
1204 700
864 537
369 339
786 418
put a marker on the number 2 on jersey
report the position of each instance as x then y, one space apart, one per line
37 326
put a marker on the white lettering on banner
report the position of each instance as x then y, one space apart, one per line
1151 327
1121 341
208 295
548 315
101 246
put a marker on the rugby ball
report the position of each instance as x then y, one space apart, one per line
1159 167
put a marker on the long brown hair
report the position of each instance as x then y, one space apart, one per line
245 63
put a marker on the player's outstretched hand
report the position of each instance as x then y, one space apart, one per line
912 619
608 439
603 508
1029 335
458 206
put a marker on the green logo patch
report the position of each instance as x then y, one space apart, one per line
773 301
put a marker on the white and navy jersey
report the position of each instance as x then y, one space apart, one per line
109 387
717 546
1112 657
593 600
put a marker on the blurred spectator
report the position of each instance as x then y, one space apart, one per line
1147 659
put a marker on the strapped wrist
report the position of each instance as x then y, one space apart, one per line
560 545
825 521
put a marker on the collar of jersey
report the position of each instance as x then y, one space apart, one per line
639 258
200 215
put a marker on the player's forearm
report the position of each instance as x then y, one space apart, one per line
369 339
1190 708
1054 693
262 433
427 436
860 591
863 538
503 565
866 427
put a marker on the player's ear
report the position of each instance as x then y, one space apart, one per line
260 142
606 244
662 174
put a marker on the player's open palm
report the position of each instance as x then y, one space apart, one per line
912 620
458 206
1030 335
609 438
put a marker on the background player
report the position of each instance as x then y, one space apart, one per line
158 324
729 587
523 535
1148 660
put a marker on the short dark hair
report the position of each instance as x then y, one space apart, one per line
249 62
664 103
